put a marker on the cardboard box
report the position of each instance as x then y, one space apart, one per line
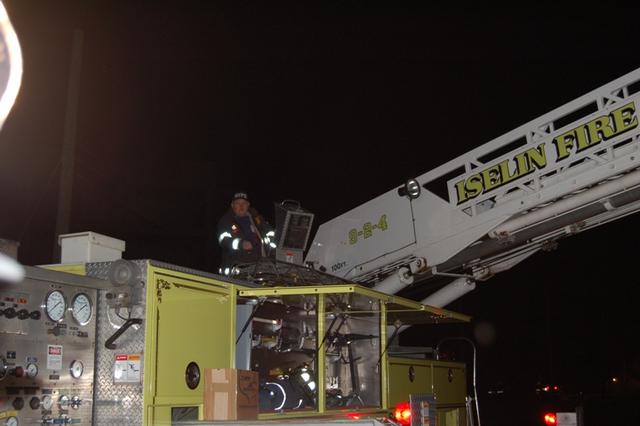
230 394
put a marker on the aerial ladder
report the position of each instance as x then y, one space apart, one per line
572 169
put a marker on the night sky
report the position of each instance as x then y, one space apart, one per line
182 104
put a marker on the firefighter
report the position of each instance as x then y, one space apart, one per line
243 234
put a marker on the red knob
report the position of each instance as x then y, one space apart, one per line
18 372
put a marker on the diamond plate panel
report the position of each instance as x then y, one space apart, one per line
116 404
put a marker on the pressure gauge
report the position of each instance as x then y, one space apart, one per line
81 309
76 369
31 370
47 402
56 305
11 421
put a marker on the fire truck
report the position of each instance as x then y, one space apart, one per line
97 339
121 342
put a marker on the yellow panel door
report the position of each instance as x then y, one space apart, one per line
407 377
450 382
195 325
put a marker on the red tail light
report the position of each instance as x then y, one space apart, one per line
402 413
550 419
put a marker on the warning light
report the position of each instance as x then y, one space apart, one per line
354 416
402 413
614 380
550 419
556 388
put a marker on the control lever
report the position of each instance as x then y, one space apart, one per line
110 343
76 402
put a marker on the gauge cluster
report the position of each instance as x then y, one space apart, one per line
80 308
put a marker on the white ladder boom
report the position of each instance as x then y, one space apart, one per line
571 169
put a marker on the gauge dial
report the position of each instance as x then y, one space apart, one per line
76 369
56 305
81 309
31 370
47 402
11 421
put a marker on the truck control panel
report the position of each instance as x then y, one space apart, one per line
47 346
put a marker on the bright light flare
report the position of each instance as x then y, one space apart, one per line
10 54
402 413
10 270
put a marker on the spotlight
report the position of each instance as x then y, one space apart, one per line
410 189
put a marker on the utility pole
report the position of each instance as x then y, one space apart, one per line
210 221
69 141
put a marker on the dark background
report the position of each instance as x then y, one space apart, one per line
183 103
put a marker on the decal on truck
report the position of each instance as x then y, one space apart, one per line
337 266
563 146
367 230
